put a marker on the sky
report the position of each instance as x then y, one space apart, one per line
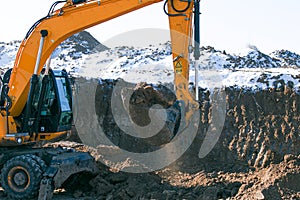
229 25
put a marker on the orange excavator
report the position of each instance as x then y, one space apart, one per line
36 102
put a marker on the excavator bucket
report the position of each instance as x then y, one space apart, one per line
64 164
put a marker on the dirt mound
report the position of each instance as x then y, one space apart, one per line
143 97
256 156
276 181
260 127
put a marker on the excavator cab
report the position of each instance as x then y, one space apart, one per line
51 105
47 114
50 109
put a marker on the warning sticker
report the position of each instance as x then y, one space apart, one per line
178 68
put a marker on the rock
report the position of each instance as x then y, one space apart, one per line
287 158
259 195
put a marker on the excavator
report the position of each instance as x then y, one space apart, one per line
36 101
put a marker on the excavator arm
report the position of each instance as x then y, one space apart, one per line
180 19
77 15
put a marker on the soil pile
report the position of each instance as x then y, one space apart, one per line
260 127
256 156
141 98
276 181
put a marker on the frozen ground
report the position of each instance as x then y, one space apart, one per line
84 56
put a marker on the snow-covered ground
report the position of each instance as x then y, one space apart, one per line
82 55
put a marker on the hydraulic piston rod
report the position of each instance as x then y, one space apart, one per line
197 44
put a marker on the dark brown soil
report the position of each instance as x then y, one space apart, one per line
260 128
256 157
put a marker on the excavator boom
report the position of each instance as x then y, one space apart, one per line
61 24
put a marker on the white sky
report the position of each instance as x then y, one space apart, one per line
227 25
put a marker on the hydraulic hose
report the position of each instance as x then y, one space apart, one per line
183 10
179 12
166 12
53 6
42 19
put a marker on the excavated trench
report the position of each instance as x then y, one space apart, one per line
256 155
260 127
